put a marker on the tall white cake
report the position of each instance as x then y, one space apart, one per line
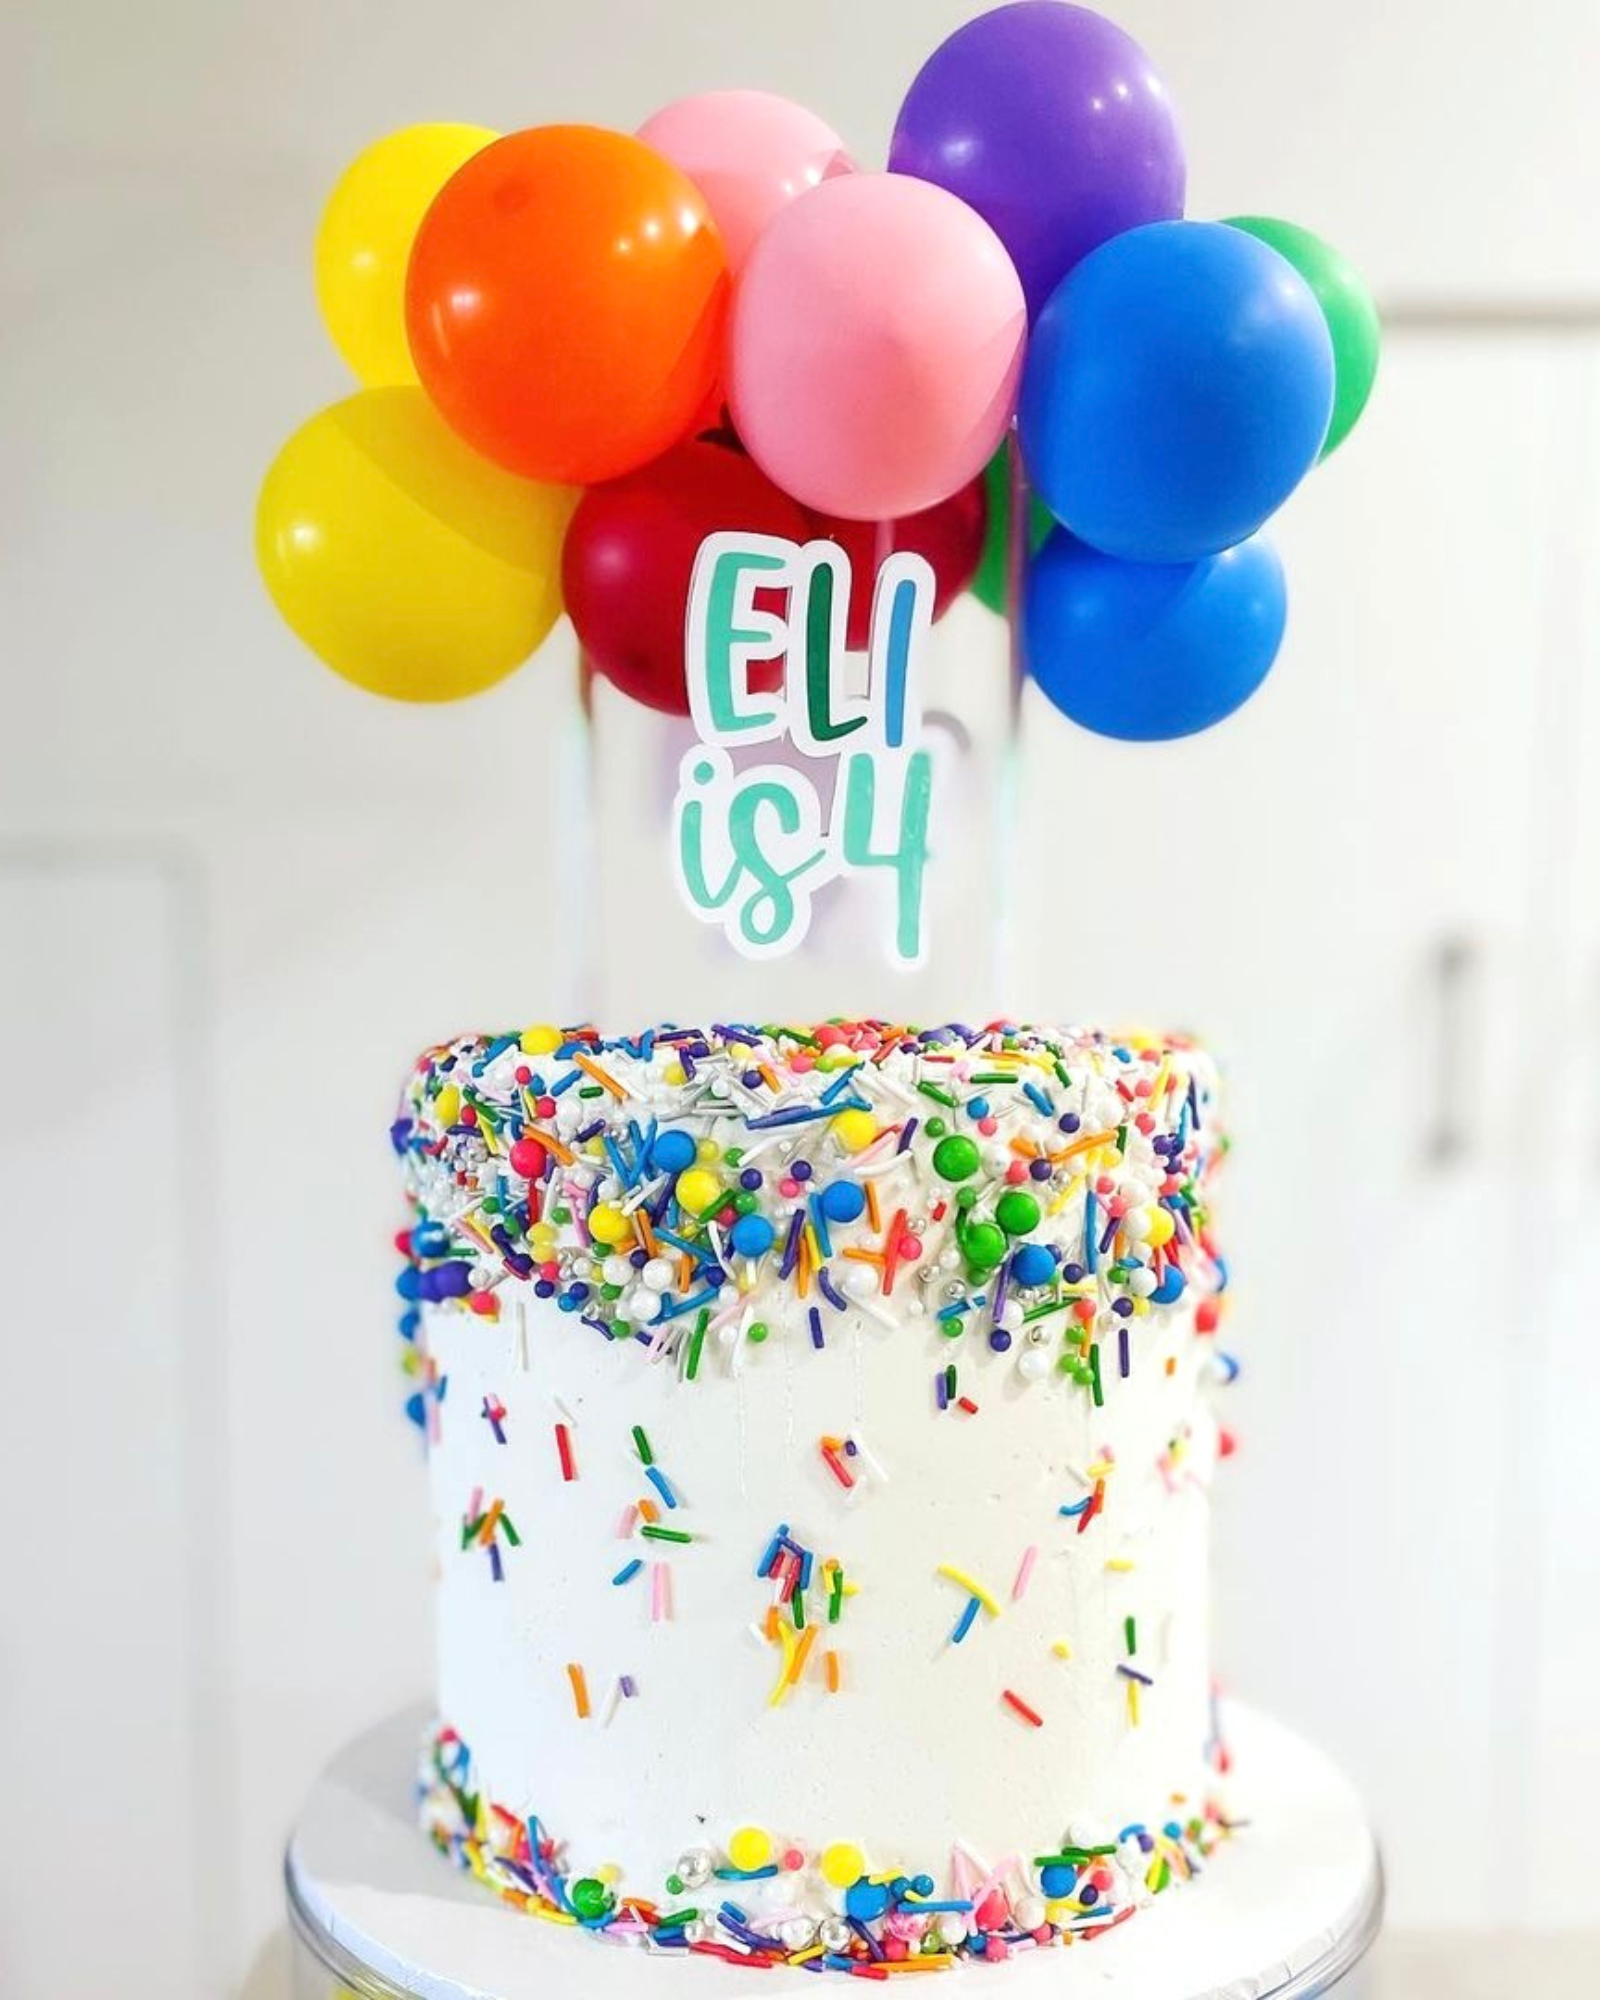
820 1444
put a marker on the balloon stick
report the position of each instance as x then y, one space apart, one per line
1008 772
589 924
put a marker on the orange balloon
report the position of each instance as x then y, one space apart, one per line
566 303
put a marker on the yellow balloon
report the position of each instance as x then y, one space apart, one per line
412 566
364 242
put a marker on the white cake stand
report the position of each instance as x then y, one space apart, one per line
1283 1912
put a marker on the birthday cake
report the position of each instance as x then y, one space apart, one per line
820 1441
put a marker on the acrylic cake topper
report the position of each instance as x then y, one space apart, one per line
755 842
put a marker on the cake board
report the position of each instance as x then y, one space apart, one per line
1285 1911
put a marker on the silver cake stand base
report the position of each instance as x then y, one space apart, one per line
1285 1911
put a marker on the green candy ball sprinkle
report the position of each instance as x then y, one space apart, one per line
955 1158
984 1246
589 1897
1017 1212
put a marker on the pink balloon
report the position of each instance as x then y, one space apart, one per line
876 345
749 153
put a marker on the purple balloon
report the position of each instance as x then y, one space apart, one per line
1052 124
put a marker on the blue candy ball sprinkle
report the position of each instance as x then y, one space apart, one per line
1032 1264
866 1901
752 1235
672 1152
842 1201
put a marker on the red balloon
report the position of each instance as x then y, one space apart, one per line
950 535
630 553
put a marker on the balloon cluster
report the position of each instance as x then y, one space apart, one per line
583 352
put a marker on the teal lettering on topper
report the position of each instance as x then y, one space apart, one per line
763 833
910 784
820 629
754 843
726 632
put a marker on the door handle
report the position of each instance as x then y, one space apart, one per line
1449 1136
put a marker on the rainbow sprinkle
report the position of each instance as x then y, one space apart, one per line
569 1469
483 1526
651 1185
1018 1706
972 1587
894 1918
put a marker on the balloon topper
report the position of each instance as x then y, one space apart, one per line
586 355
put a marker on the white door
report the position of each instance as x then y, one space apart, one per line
1336 891
114 1718
1555 1612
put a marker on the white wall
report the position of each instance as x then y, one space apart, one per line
234 897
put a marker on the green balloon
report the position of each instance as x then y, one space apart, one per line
989 580
1346 305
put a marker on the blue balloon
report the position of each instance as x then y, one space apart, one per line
1147 651
1178 388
